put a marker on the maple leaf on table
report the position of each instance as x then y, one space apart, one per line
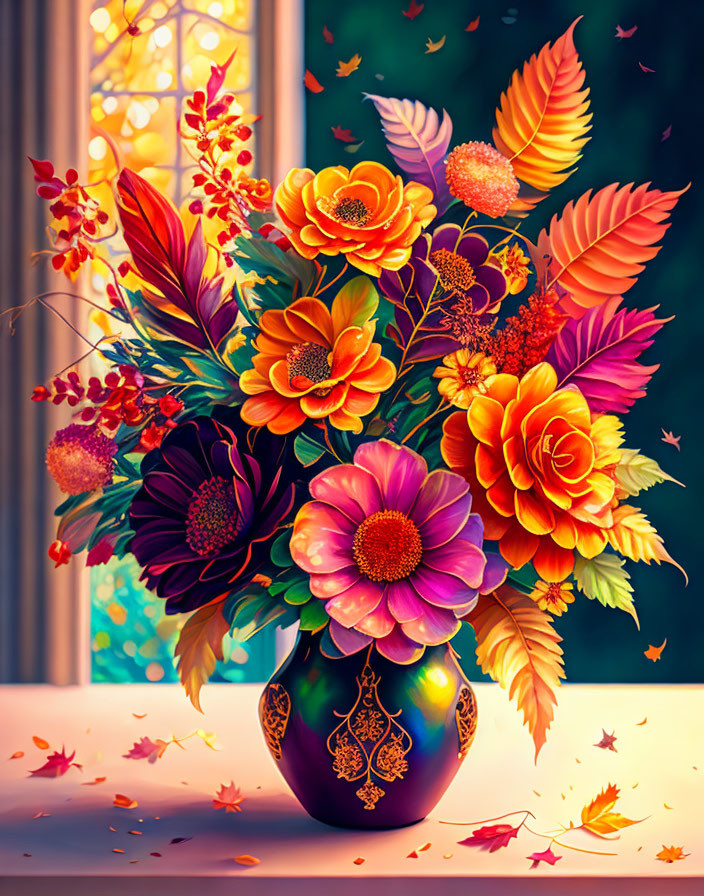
671 853
343 134
599 819
415 9
145 748
607 742
669 438
653 653
228 798
547 856
56 765
345 69
491 837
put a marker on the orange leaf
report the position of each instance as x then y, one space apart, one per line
228 798
40 743
653 653
345 69
124 802
518 647
597 817
633 536
93 782
671 853
312 83
599 245
543 119
18 755
358 861
247 860
199 646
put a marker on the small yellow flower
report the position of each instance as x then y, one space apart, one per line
553 596
462 376
514 265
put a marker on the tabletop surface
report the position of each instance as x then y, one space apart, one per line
67 828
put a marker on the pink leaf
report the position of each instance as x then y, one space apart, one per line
56 765
546 856
418 141
145 748
217 78
598 354
491 837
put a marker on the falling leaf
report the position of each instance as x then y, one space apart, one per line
671 854
448 855
434 46
643 722
247 860
93 782
597 817
118 850
42 815
124 802
607 742
343 134
358 861
228 798
666 133
180 840
622 33
415 853
644 68
18 755
111 828
354 147
653 653
56 765
669 438
138 715
491 837
139 833
546 856
666 806
536 793
473 25
415 9
40 743
155 854
345 69
312 83
145 748
328 36
198 648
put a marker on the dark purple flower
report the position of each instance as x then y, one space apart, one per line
445 291
206 513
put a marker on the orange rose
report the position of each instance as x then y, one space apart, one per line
540 468
313 363
367 214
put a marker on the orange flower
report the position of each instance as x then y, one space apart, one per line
313 363
553 596
367 214
462 376
514 265
540 468
482 178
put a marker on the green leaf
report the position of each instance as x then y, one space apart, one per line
280 553
298 593
636 472
604 578
313 616
354 304
307 450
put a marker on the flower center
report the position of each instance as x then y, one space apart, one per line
352 211
455 272
212 520
470 376
309 360
387 546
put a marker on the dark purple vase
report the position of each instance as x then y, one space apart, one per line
364 742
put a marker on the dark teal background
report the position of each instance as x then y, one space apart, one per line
631 110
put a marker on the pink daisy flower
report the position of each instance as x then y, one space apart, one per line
394 551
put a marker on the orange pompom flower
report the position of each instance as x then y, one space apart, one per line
80 459
462 376
367 214
540 467
318 364
482 178
553 596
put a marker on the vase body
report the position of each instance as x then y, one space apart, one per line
364 742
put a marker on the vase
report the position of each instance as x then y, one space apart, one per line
364 742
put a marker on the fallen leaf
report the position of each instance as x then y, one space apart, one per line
18 755
145 748
155 854
415 9
473 25
134 861
669 438
547 856
27 855
622 33
345 69
138 715
413 855
138 833
607 742
424 847
247 860
653 653
42 815
40 743
56 765
93 782
118 850
671 854
328 36
312 83
578 760
358 861
228 798
635 785
180 840
491 837
644 68
448 855
124 802
643 722
434 46
666 806
536 793
111 828
666 133
597 817
343 134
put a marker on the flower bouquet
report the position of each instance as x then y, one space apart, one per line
359 403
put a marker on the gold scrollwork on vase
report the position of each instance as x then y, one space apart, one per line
274 711
466 718
369 743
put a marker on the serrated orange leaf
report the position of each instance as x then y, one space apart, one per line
40 743
519 648
345 69
228 798
654 653
199 647
247 860
633 536
671 853
543 119
597 817
600 243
